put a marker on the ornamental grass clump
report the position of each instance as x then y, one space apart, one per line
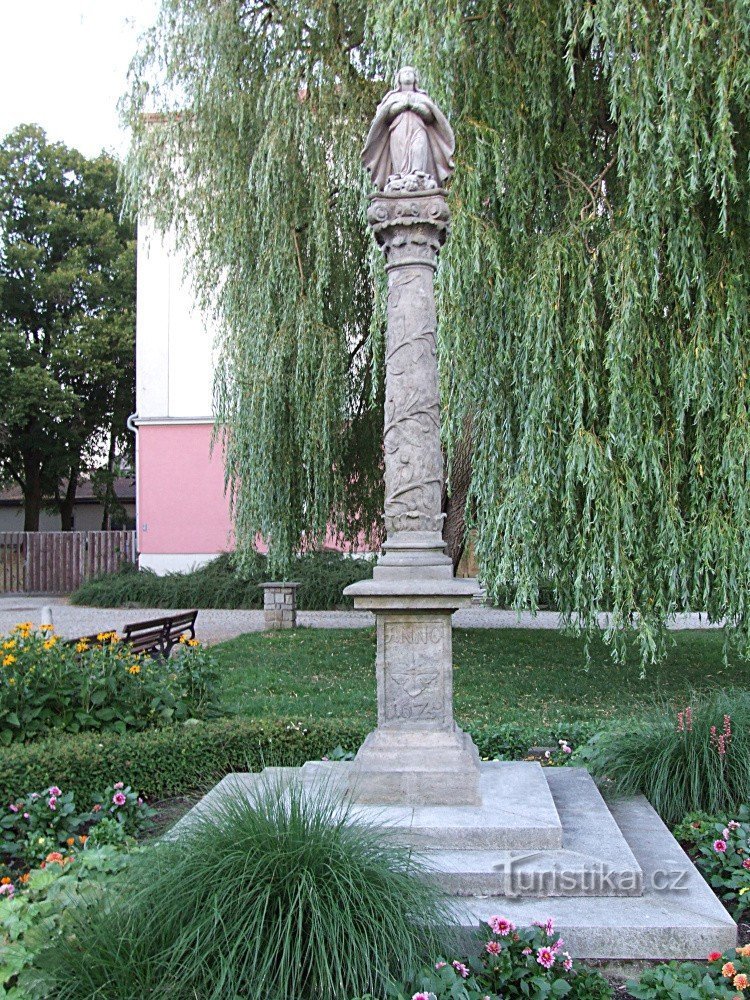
693 759
278 897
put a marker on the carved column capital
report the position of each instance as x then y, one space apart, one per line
410 227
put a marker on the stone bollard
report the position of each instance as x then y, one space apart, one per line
280 605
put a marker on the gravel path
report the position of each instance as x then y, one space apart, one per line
219 625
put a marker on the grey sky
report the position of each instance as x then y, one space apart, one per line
63 65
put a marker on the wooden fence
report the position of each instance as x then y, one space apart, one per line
56 562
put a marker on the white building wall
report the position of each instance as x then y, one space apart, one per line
174 341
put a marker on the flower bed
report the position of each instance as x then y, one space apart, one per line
720 848
47 684
512 962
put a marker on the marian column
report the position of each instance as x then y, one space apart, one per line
417 755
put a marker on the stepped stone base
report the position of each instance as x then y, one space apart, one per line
542 843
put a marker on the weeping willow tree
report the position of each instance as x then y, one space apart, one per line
593 297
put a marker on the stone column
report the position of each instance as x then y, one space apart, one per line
280 605
417 755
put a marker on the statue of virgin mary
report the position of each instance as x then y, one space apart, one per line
409 138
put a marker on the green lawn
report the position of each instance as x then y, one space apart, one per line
501 675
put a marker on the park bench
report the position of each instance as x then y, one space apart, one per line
157 636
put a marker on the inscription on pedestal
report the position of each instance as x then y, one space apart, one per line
415 661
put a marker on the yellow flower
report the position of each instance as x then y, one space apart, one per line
11 681
183 638
135 669
46 627
81 646
8 660
193 642
49 643
10 644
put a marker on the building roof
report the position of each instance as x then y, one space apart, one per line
124 491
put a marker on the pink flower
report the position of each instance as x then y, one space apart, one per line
549 927
96 808
55 791
733 824
501 926
720 846
567 962
140 801
119 799
52 803
725 833
746 863
424 996
13 807
493 948
461 969
119 784
8 890
558 944
545 957
440 965
526 951
26 816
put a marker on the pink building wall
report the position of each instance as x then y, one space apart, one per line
182 507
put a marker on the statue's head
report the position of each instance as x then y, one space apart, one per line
406 78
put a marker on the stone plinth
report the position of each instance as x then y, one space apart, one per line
280 605
417 755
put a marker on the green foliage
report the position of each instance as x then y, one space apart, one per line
680 762
46 684
512 963
281 896
593 298
170 760
222 584
694 981
50 820
67 313
40 911
694 828
723 858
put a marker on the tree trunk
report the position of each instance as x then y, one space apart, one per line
67 503
454 504
32 491
109 489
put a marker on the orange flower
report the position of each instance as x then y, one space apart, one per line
25 877
5 880
744 951
741 981
82 839
55 858
70 841
728 970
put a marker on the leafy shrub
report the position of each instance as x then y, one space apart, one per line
695 759
170 760
37 823
512 964
694 828
47 684
722 854
220 584
174 760
725 977
278 897
37 911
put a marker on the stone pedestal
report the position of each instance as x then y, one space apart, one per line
417 755
280 605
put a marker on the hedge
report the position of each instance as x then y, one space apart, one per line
180 759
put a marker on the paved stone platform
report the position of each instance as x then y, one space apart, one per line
677 917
